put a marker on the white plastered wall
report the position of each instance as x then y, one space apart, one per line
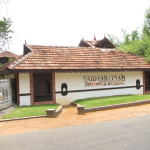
75 81
24 88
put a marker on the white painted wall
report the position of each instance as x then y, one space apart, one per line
24 87
25 101
75 81
24 83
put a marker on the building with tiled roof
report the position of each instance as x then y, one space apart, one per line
104 43
5 55
58 74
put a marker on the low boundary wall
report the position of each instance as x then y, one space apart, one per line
82 110
52 113
5 93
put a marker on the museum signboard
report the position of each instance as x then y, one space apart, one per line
103 80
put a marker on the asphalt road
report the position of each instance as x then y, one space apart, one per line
124 134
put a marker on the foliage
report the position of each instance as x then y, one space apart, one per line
10 59
5 32
135 35
111 100
146 28
138 46
26 111
1 64
135 42
117 42
126 36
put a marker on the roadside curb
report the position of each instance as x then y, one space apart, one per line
57 112
85 110
3 120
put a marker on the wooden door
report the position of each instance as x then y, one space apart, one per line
42 87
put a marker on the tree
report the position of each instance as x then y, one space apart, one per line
117 42
5 29
135 42
135 35
5 32
146 28
126 36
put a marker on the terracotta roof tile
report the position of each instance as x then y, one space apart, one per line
76 58
8 54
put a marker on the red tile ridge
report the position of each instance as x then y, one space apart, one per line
16 62
29 46
52 46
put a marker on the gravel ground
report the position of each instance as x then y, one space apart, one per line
69 117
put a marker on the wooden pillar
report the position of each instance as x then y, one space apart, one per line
53 88
31 89
143 75
18 88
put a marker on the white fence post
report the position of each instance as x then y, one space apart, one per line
5 93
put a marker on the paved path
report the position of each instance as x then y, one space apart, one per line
8 110
124 134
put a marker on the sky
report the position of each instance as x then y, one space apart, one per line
65 22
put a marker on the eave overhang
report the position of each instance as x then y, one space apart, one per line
8 71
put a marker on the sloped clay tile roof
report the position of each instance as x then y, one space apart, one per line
8 54
76 59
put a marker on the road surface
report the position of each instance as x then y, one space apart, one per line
125 134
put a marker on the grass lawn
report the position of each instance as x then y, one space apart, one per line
26 111
110 100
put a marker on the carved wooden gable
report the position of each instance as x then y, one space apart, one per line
105 43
